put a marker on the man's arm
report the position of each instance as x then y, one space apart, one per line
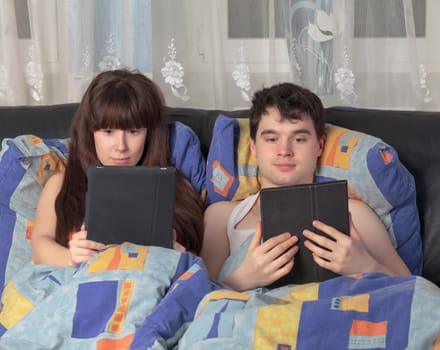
264 262
215 249
376 238
368 248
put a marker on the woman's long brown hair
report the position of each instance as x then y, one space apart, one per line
122 99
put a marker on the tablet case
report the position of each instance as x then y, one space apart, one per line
292 209
130 204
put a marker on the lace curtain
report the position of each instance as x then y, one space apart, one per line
216 53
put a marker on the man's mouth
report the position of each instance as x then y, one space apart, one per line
285 166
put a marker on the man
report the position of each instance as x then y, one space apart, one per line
287 136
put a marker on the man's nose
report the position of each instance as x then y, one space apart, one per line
285 148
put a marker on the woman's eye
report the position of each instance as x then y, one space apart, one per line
134 131
107 131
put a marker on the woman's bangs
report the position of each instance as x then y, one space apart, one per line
118 114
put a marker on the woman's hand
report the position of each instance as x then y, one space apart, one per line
346 255
264 262
81 249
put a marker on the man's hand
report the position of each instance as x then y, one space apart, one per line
264 262
345 255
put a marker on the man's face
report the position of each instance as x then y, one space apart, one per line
286 151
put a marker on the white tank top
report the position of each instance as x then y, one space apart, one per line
238 237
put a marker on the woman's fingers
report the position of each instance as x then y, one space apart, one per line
178 247
81 249
86 244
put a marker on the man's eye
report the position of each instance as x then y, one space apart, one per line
271 139
300 139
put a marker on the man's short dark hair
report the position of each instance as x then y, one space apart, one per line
292 101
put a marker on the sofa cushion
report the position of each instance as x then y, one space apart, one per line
372 168
186 154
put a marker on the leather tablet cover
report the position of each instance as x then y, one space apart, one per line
130 204
292 209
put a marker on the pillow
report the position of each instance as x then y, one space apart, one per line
187 155
372 168
26 162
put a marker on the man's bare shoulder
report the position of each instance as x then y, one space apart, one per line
221 208
362 213
356 205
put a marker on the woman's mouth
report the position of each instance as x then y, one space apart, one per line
120 161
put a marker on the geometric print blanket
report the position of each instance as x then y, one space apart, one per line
124 296
137 297
371 311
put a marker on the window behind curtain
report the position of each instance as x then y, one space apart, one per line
248 18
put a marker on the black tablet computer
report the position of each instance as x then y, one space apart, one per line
130 204
292 209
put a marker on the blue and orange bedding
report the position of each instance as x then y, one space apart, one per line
134 297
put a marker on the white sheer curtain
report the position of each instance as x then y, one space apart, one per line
216 53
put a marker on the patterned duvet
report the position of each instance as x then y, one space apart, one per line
134 297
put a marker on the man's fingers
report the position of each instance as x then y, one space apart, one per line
331 231
328 230
256 239
284 258
318 239
277 245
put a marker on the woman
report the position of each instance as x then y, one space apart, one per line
121 120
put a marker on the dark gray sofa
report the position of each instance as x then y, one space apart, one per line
414 134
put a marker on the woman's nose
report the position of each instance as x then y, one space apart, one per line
121 141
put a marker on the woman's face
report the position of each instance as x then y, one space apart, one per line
120 147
